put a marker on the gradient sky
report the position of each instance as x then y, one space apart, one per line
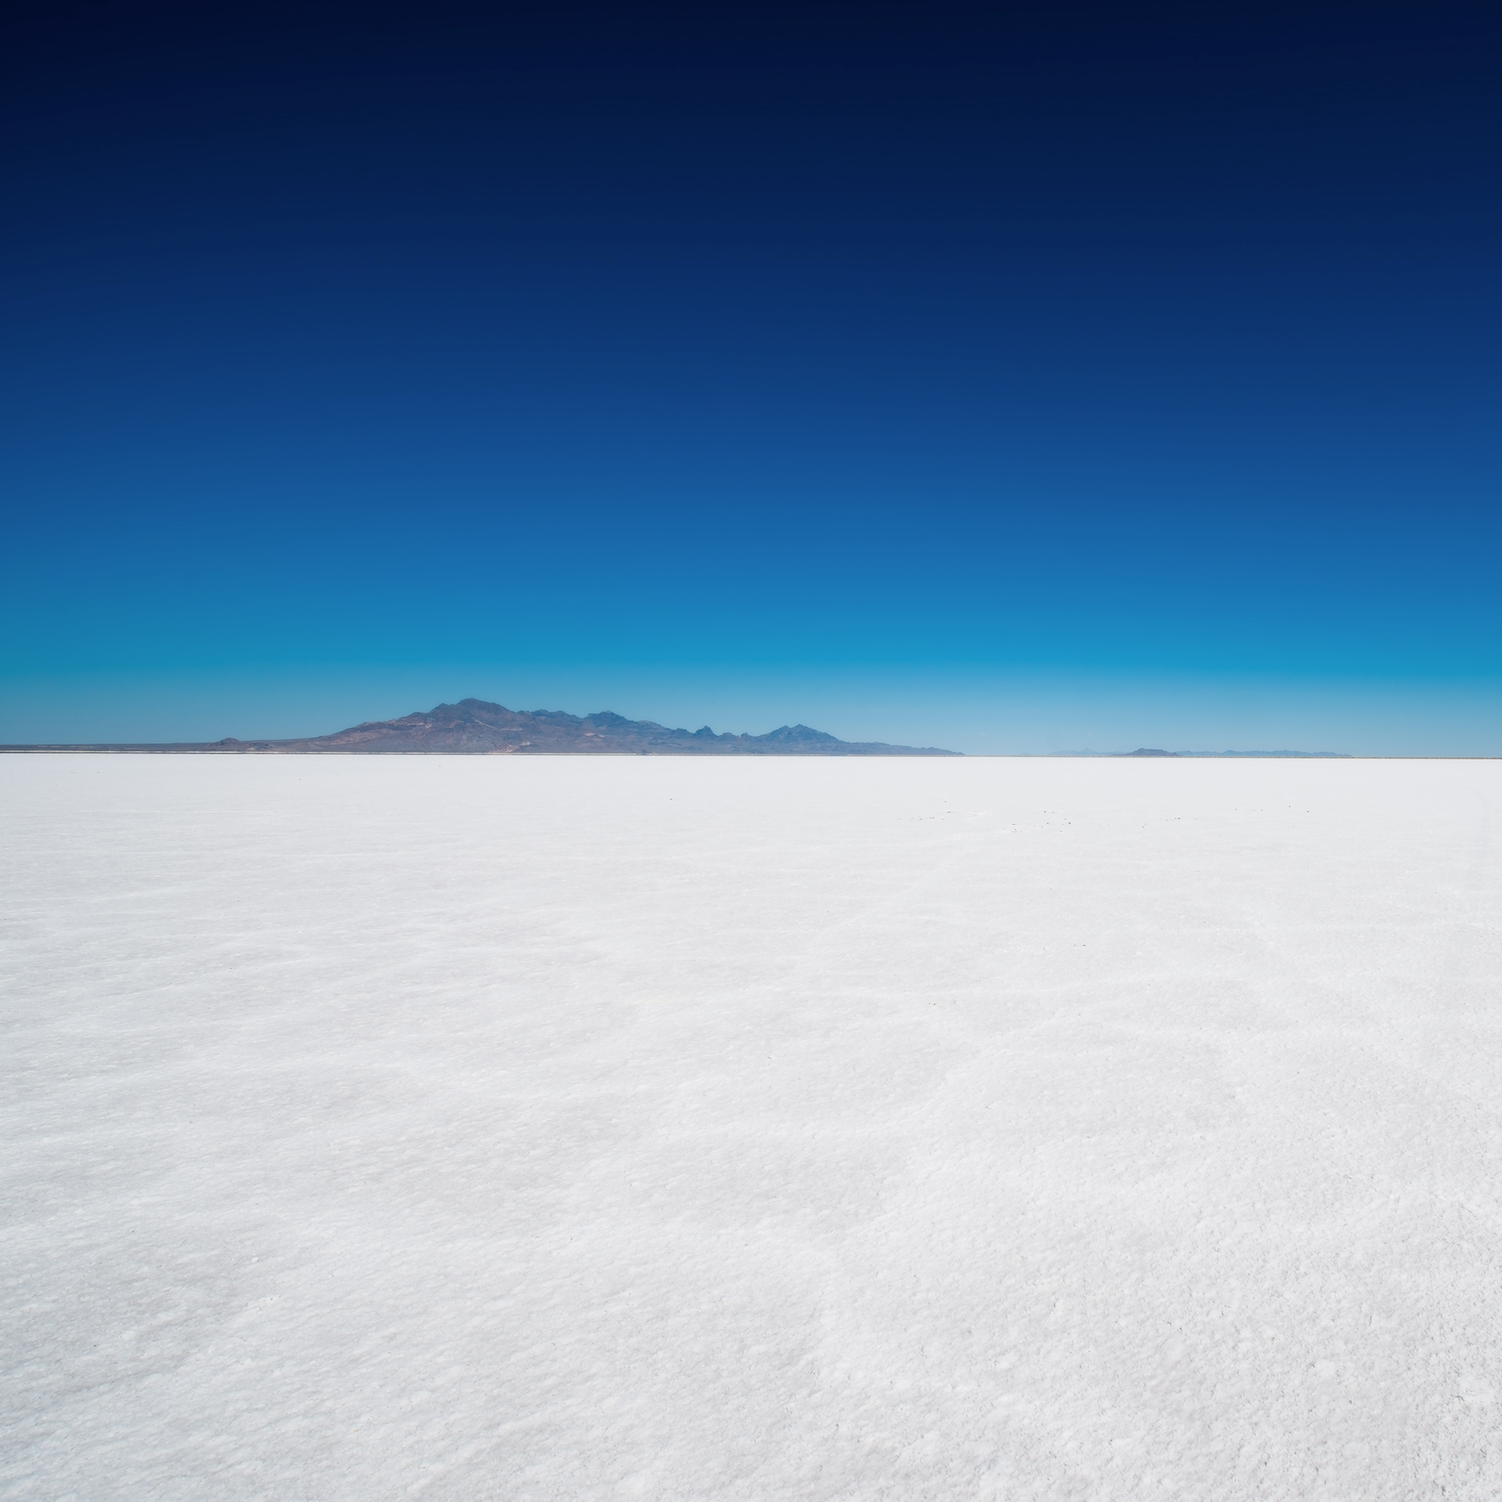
1068 375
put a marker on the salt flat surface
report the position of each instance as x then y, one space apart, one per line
587 1128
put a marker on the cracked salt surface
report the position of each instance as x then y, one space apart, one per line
593 1128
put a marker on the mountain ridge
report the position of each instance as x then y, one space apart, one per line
474 727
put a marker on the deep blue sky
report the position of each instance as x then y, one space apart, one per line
903 374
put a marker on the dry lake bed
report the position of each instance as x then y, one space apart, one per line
571 1128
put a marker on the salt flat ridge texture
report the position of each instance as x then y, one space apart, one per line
576 1128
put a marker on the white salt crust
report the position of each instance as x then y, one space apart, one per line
587 1128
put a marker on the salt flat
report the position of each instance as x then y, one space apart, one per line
583 1128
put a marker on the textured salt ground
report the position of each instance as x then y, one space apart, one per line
560 1128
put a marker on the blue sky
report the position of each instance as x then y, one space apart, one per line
1095 376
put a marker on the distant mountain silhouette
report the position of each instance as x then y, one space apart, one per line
473 727
1264 755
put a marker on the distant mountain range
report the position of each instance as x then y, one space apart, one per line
475 728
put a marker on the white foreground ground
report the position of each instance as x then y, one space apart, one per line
573 1129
